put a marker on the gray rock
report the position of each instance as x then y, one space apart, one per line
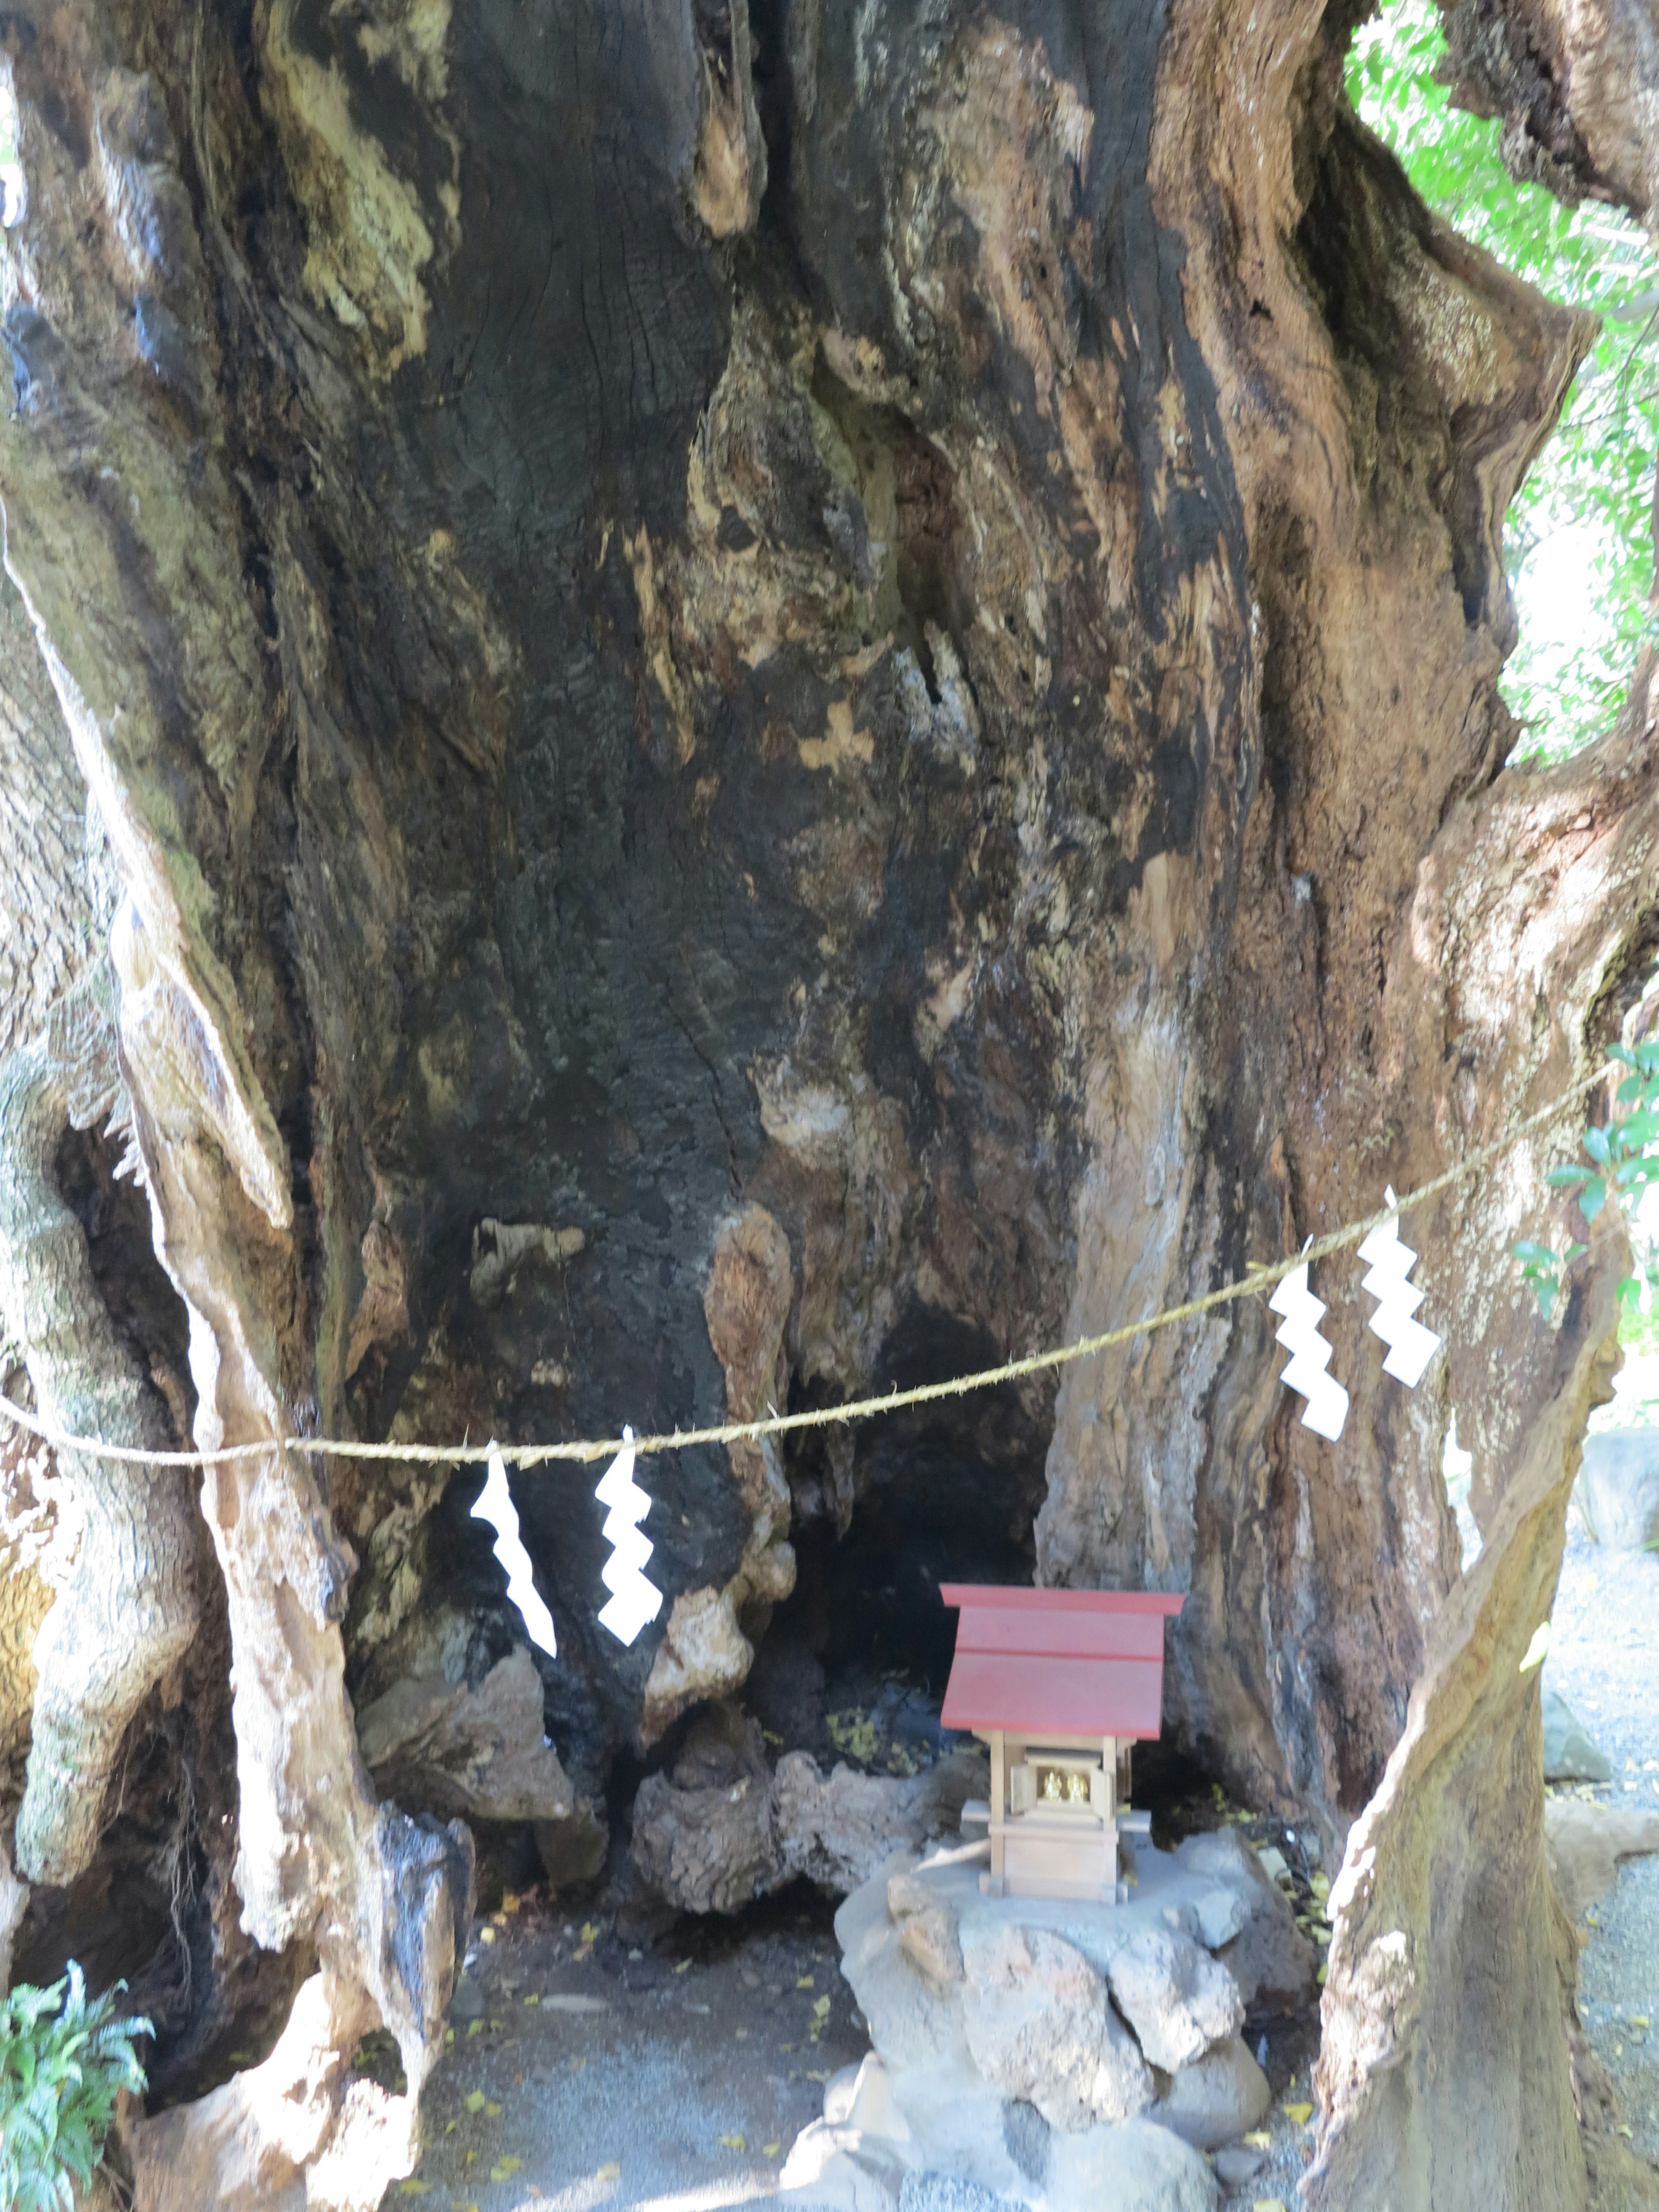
1221 1914
843 2169
932 2191
437 1747
1617 1492
572 1850
1570 1754
1236 2166
929 1933
1136 2167
1584 1843
710 1850
1178 2001
1216 2098
1270 1957
721 1829
1041 2026
837 1829
1025 2136
1009 2104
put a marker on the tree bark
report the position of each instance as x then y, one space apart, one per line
847 660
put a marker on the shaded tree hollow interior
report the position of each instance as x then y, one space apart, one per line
704 706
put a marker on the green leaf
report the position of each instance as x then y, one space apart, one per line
1592 1198
64 2059
1567 1178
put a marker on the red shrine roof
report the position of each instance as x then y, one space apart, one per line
1066 1662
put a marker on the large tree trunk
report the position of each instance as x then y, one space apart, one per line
848 656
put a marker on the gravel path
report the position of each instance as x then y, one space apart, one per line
1604 1659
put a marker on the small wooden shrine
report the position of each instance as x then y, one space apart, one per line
1061 1684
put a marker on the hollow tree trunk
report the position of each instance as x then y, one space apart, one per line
848 657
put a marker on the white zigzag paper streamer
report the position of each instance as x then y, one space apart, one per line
1411 1346
1326 1408
494 1504
632 1601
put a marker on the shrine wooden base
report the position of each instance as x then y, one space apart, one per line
1059 1852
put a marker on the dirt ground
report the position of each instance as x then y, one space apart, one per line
585 2071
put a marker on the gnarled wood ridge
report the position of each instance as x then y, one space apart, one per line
704 708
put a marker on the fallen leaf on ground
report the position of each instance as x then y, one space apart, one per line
806 1982
1640 2019
590 1931
492 2111
533 1998
1269 2204
505 2168
475 2027
475 2101
1259 2139
734 2142
1300 2113
510 1903
610 2171
821 2076
821 2009
414 2189
683 1967
770 2150
486 1935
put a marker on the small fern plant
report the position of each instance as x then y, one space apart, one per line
64 2059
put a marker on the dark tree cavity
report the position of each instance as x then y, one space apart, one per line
705 706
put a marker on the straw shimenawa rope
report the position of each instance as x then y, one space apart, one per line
588 1450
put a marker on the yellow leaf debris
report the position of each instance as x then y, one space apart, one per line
1300 2113
734 2142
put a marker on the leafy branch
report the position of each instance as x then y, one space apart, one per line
1619 1165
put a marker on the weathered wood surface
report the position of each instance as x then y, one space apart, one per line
847 658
